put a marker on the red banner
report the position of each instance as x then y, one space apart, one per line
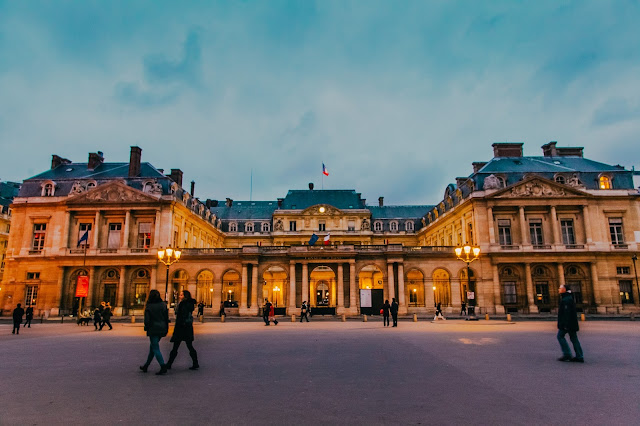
82 286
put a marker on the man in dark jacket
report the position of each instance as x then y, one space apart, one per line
29 317
18 312
394 311
568 323
106 317
265 311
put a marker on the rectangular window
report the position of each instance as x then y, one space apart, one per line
413 297
186 238
470 240
82 228
623 270
568 234
576 290
322 226
535 232
33 275
292 225
626 291
542 293
615 229
504 232
39 234
113 241
351 225
144 235
30 295
510 295
176 242
141 294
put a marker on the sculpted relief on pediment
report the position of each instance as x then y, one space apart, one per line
114 193
536 189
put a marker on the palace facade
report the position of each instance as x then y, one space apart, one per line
540 221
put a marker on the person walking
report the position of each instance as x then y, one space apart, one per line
385 313
438 314
265 311
222 309
156 324
18 312
463 308
29 316
201 309
394 312
304 311
183 331
97 318
272 315
568 323
106 317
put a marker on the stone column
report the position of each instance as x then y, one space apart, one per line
55 306
156 231
533 308
153 280
256 288
292 288
121 288
340 289
305 282
456 301
497 293
245 285
587 224
429 297
492 231
597 291
90 292
390 282
65 231
127 229
216 300
96 231
523 228
554 226
352 288
402 308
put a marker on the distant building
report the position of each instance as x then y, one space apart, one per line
539 222
8 190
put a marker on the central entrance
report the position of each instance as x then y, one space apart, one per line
322 291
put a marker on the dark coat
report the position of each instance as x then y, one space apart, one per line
29 312
183 330
96 315
385 309
106 314
267 309
567 315
156 319
17 314
394 308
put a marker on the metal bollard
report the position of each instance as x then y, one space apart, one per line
582 317
364 318
508 317
222 318
486 317
133 319
344 318
415 317
293 317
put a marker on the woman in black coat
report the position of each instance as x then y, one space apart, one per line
183 331
156 324
385 313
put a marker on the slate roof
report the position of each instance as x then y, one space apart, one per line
545 164
399 212
343 199
246 210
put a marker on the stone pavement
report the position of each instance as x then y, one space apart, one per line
452 372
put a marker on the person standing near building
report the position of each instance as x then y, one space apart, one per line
272 315
386 308
183 331
394 312
18 312
222 309
201 309
304 311
568 323
265 311
156 324
97 318
463 308
106 317
29 316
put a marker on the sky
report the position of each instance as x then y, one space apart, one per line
397 98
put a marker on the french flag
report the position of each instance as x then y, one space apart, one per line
324 170
326 240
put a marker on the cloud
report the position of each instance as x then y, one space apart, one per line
616 111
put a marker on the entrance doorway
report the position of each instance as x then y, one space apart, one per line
322 294
109 294
322 291
371 278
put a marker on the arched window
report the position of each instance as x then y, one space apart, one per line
377 226
560 179
233 227
265 227
393 226
605 182
408 225
248 227
441 287
48 189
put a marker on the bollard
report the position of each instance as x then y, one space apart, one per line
61 319
201 318
508 317
364 318
486 317
133 319
582 317
344 318
293 317
415 317
632 317
222 318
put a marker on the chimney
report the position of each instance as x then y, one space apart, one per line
95 159
570 151
311 186
57 160
507 149
176 176
381 201
478 165
193 187
134 161
229 202
280 201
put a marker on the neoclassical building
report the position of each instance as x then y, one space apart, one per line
539 221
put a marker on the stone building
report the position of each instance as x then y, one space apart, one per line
539 222
8 190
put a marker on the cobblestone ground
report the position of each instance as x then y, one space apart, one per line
452 372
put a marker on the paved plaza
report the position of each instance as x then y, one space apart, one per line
323 372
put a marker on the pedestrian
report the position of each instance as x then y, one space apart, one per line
265 311
463 308
304 311
438 314
201 309
568 323
97 318
29 316
386 308
106 317
272 315
102 306
394 312
183 331
222 309
18 312
156 324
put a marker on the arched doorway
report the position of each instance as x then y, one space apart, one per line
140 285
178 283
204 288
322 289
370 281
415 288
109 285
575 280
274 286
441 287
513 293
543 281
231 289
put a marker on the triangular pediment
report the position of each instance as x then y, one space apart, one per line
537 187
317 210
113 193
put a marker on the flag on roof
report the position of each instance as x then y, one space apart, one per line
313 239
326 239
324 170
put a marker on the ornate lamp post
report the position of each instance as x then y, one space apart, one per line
275 295
468 254
634 258
168 257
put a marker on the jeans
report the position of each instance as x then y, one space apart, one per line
154 350
573 336
385 320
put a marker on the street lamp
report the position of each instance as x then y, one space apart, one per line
275 296
168 257
634 258
468 254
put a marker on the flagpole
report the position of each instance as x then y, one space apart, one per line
323 175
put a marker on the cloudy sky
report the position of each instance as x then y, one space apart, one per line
396 97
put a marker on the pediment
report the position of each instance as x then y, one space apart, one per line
316 210
113 193
536 187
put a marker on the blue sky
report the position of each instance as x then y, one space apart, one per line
396 97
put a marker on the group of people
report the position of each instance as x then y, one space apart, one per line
389 309
269 313
18 313
156 324
102 316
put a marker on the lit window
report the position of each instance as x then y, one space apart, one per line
626 291
144 235
31 295
605 182
39 234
